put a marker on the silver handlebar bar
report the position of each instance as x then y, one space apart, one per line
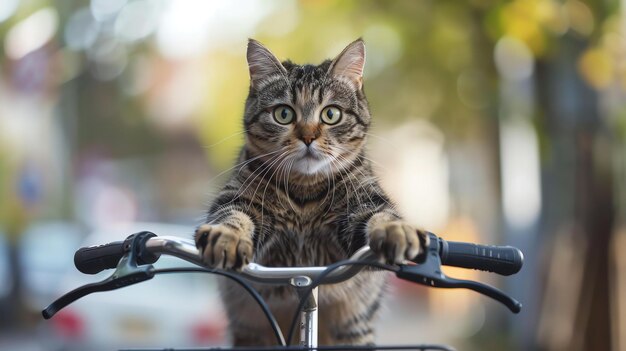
131 268
300 276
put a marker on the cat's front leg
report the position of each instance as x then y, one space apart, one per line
227 244
395 240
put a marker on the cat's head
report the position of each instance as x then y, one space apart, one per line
309 119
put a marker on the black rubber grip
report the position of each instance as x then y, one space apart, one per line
504 260
95 259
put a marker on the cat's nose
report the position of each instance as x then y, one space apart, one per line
308 139
307 133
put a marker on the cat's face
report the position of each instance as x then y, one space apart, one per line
306 119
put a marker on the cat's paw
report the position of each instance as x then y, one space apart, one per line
224 247
397 241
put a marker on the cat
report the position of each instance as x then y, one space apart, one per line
304 194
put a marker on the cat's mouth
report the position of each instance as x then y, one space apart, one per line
310 161
311 154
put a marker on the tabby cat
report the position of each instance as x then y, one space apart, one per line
304 194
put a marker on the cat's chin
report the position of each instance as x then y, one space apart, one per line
311 166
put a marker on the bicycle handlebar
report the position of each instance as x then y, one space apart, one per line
503 260
135 255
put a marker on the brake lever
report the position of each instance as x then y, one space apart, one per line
126 273
428 272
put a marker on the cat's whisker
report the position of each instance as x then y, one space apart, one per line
373 176
351 193
368 179
224 139
387 141
259 170
332 199
370 184
325 172
287 185
280 176
267 170
353 176
268 183
361 156
328 186
241 165
286 174
341 174
240 192
260 156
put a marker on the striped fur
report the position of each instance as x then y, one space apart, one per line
288 204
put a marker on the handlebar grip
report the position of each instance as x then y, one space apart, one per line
95 259
504 260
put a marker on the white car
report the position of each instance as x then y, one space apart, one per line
171 310
5 268
46 251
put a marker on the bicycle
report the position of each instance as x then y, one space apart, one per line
133 259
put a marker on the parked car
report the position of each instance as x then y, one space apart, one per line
6 283
172 310
5 267
46 254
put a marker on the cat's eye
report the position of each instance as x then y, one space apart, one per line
284 114
331 115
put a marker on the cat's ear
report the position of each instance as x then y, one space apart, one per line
350 63
262 63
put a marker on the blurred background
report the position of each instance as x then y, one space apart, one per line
498 122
